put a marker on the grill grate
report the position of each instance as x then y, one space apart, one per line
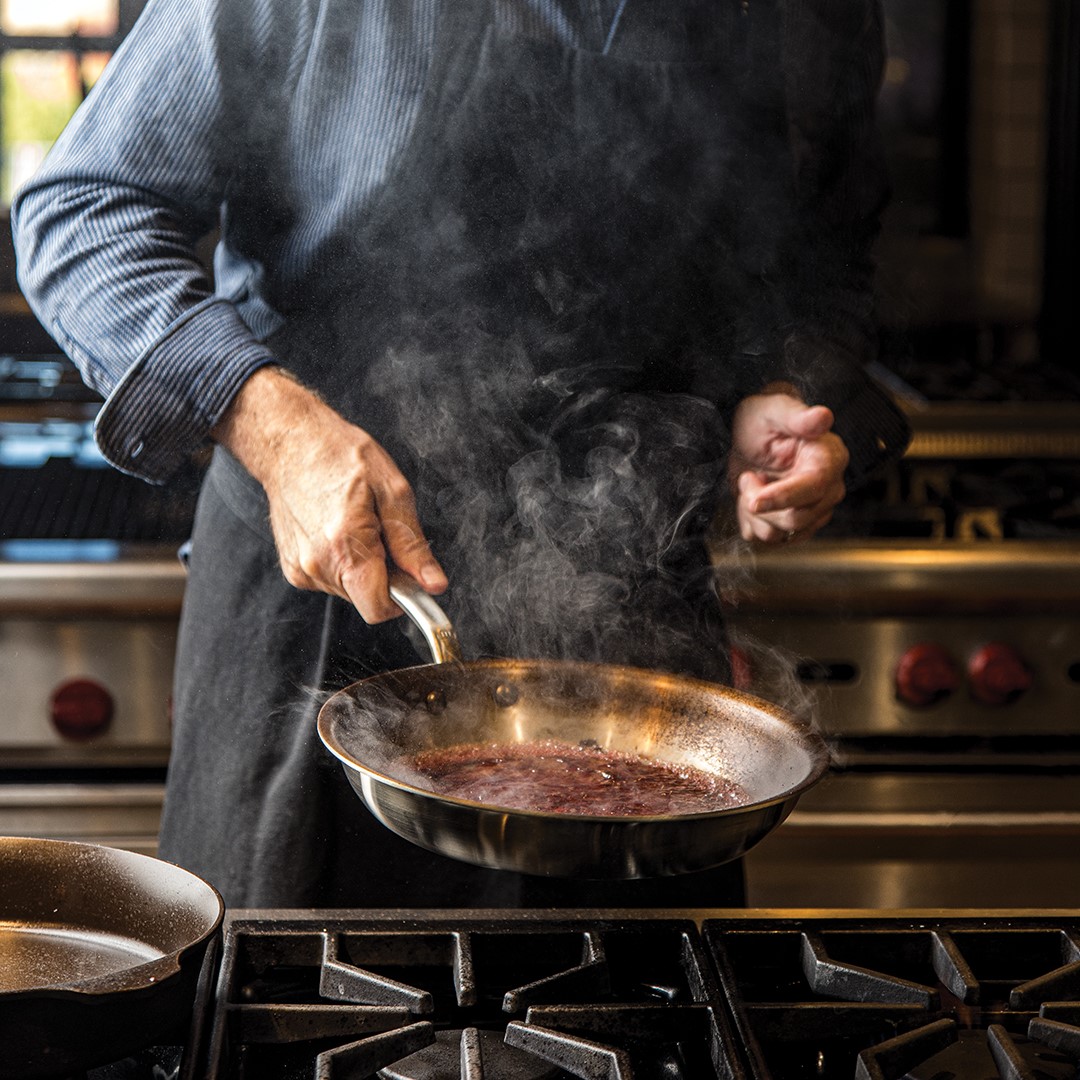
62 501
502 998
885 999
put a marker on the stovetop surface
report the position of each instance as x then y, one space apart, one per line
646 995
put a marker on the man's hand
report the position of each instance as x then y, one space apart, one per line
786 467
339 506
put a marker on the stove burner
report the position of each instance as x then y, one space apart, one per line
892 1001
940 1050
424 1000
459 995
469 1053
156 1063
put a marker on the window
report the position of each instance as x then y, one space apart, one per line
51 53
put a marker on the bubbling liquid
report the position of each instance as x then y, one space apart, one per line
553 777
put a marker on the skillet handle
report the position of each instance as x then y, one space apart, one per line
429 617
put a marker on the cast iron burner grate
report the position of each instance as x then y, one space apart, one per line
889 999
630 996
402 997
54 485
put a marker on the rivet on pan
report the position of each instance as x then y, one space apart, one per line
505 695
435 700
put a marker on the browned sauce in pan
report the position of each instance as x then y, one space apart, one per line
553 777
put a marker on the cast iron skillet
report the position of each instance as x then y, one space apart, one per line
374 725
100 953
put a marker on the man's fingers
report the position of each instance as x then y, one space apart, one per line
749 487
788 415
365 586
362 559
785 528
347 560
810 421
770 429
796 492
387 528
771 511
408 548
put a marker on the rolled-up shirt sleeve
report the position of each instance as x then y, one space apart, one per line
106 237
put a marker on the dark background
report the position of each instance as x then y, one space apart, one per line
978 260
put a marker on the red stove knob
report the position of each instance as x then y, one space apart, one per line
997 674
926 672
81 709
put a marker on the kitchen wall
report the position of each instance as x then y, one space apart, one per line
1008 147
976 95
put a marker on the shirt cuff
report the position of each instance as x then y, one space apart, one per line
872 427
164 407
874 431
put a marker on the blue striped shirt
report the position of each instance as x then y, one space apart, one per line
107 233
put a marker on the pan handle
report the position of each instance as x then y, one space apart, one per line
429 617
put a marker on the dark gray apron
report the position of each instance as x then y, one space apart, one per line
526 320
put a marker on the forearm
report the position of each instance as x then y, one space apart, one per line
269 409
114 278
105 270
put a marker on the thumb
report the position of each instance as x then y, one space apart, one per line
807 421
409 549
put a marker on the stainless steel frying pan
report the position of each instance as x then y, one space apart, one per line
375 725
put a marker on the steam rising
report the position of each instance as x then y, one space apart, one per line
552 382
569 515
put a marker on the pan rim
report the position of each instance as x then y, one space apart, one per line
809 738
137 978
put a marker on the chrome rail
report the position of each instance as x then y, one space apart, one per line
152 585
889 576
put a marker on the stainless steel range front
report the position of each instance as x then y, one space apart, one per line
90 593
934 634
86 662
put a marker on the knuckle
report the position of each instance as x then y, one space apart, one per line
294 575
404 536
399 489
309 567
370 600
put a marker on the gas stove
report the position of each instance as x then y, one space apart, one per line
644 995
522 997
905 998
